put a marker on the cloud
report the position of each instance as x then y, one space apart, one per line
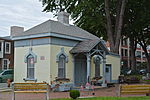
26 13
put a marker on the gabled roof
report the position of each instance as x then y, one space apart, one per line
87 46
51 26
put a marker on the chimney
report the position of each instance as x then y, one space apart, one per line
63 17
16 30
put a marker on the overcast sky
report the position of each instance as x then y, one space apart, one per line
25 13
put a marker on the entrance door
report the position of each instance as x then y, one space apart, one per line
80 72
108 73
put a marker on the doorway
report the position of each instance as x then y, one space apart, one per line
108 73
80 71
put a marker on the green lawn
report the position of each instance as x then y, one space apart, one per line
112 98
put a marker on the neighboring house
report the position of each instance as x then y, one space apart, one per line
6 53
57 50
125 54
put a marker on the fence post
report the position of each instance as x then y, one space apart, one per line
13 92
119 90
47 93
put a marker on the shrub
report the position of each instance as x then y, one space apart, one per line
74 94
132 78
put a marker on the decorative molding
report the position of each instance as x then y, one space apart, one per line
62 53
30 53
46 41
97 58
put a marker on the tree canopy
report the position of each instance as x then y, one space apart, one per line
100 17
137 25
104 18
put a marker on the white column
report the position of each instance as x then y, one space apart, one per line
88 67
73 63
141 56
104 84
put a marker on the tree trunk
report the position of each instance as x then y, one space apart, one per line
114 37
144 47
109 26
148 60
148 63
147 57
133 58
120 25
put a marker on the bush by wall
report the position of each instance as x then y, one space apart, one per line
74 94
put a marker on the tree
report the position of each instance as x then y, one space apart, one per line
144 41
137 24
100 17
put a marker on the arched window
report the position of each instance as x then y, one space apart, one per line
62 59
30 66
61 66
30 58
97 61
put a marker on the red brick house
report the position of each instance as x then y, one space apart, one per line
6 53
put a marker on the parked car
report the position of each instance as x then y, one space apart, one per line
6 74
143 71
133 72
124 71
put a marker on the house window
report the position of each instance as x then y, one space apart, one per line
30 58
30 66
7 47
107 70
61 66
5 64
62 59
126 52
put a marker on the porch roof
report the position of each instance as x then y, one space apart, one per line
87 46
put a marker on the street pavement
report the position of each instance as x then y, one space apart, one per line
3 87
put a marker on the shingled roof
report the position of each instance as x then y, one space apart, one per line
51 26
87 46
6 38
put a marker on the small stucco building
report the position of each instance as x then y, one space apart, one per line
56 49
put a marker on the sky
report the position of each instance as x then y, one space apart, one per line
24 13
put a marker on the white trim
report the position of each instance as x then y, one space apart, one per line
47 34
34 61
1 44
9 48
8 62
30 52
58 61
2 49
60 53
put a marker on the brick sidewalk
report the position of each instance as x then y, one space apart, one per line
26 96
31 96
